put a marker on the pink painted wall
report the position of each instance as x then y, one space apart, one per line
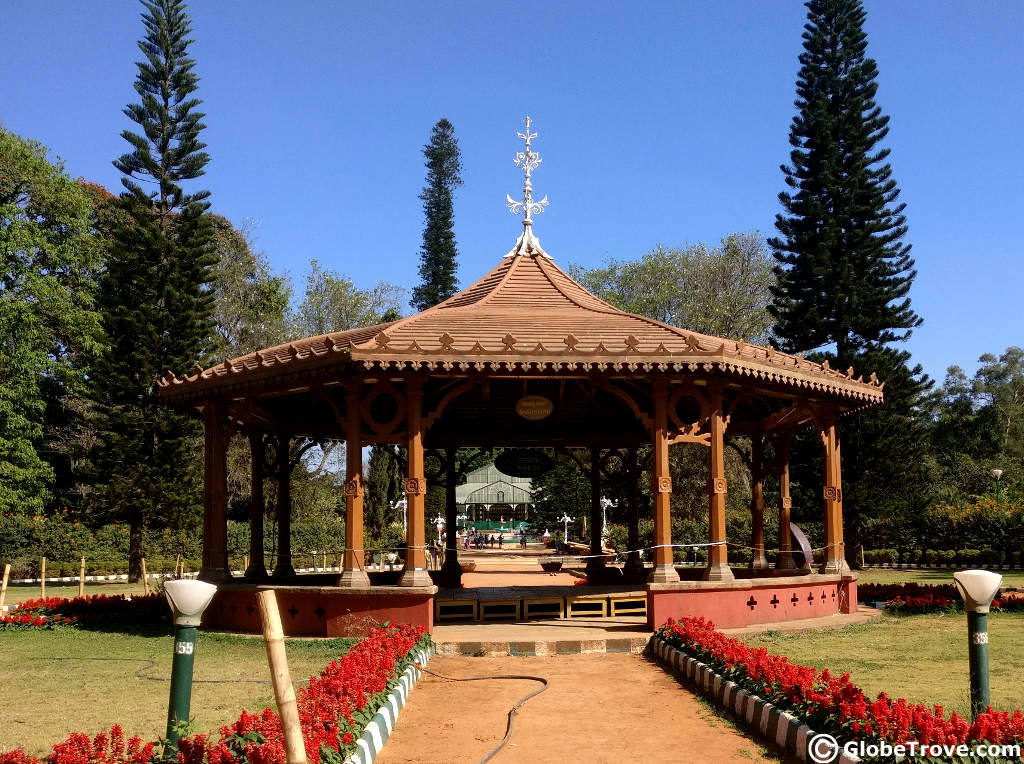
319 613
738 605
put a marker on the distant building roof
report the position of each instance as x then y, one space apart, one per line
484 484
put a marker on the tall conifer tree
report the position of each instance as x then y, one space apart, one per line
438 252
844 273
155 298
843 270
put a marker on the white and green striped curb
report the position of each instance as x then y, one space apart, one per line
377 732
781 728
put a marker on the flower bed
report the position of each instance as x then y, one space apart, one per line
830 703
333 709
88 611
913 598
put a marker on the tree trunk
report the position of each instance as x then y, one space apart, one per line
135 550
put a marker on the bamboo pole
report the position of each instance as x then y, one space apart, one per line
284 692
145 578
3 588
42 578
81 578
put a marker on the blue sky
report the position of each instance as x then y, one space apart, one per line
658 123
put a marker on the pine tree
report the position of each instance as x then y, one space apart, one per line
438 252
843 271
155 298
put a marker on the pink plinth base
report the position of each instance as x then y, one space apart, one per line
744 602
322 611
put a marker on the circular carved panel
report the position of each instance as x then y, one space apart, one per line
415 486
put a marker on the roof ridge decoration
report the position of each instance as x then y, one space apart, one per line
527 243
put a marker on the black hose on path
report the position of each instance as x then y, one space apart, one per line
512 711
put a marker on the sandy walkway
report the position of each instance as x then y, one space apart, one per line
599 708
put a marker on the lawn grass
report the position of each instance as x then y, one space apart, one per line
922 658
20 592
44 699
1011 578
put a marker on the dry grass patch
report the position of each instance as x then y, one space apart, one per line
53 687
922 658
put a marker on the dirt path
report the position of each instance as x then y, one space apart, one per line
599 708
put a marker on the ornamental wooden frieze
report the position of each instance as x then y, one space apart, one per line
833 493
415 486
719 486
354 487
664 485
787 502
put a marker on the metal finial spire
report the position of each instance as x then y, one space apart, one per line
527 161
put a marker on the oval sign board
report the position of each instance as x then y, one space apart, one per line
523 462
534 407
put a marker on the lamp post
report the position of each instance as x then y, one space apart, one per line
996 474
404 504
188 599
565 530
978 587
605 503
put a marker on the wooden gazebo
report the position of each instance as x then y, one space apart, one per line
526 356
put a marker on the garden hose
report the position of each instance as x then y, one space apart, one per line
140 673
512 711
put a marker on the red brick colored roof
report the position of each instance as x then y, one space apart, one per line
527 314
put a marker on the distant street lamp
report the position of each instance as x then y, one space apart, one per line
996 474
565 530
404 504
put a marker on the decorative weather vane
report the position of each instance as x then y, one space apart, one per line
527 161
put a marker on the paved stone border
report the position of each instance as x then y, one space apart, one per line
377 732
761 717
543 648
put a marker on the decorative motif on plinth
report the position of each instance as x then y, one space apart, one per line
415 486
833 493
665 485
354 487
787 502
719 485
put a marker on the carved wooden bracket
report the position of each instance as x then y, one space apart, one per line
833 493
415 486
719 485
664 485
787 502
354 487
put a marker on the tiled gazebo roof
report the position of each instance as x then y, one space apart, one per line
525 315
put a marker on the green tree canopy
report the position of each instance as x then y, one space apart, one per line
155 294
843 270
438 253
47 311
722 291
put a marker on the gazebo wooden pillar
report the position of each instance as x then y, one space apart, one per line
758 560
785 561
415 490
718 555
215 493
353 573
257 568
664 569
451 570
835 552
595 563
633 562
283 468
